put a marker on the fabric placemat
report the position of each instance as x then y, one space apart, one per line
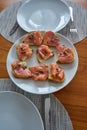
59 118
8 18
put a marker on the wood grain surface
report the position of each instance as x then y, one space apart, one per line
74 95
81 2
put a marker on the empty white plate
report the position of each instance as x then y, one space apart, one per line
43 15
18 113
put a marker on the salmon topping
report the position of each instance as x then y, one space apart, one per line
45 52
20 69
56 71
39 72
34 37
23 51
50 39
65 54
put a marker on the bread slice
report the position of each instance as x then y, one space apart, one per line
51 39
44 53
23 51
56 73
39 72
20 70
65 54
33 38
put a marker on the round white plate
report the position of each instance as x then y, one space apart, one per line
18 113
43 15
42 87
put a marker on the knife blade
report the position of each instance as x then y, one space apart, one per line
47 113
14 28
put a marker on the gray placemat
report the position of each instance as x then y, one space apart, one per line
8 18
59 118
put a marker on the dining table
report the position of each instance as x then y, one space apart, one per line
74 95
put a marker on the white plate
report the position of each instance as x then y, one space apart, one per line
43 15
42 87
18 113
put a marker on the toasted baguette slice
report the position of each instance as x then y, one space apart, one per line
23 51
33 38
51 39
44 53
56 73
20 70
65 54
39 72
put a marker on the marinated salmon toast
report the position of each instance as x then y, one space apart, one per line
23 51
20 70
65 54
33 38
44 53
56 73
50 39
39 72
43 44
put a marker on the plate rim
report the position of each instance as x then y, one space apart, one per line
19 95
55 29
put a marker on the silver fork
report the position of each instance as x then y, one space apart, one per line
72 26
73 32
70 30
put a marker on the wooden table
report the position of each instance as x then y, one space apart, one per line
74 95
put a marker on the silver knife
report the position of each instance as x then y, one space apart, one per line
14 28
47 113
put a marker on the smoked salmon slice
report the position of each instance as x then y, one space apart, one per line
33 38
20 70
44 53
50 39
65 54
56 73
39 72
23 51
